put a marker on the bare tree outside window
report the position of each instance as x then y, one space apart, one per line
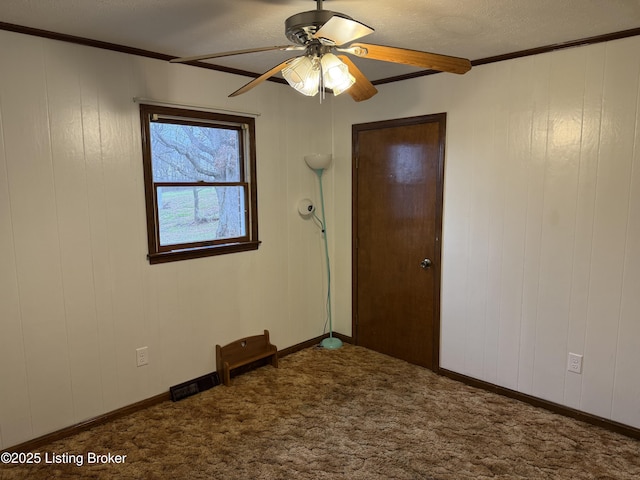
199 193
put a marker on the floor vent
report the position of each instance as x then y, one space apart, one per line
197 385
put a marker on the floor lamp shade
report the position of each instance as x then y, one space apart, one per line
318 161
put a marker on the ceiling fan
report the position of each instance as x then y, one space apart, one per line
320 33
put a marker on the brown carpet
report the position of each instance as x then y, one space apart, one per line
343 414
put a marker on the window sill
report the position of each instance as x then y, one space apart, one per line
191 253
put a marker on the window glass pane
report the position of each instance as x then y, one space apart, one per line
189 153
200 187
200 214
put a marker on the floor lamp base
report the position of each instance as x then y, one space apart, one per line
331 343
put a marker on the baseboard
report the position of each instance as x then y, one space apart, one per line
36 443
164 397
547 405
312 343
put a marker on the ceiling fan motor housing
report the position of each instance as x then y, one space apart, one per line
299 28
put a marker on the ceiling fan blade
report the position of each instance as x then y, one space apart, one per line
339 30
234 52
432 61
257 81
363 89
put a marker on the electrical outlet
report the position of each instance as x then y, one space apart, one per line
142 356
574 363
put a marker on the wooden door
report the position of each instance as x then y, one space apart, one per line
397 223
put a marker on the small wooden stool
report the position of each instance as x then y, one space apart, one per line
243 352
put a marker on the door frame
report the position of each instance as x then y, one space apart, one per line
441 119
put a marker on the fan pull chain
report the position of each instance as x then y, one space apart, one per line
321 81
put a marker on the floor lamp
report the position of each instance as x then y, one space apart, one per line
318 162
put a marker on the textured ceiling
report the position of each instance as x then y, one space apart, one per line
472 29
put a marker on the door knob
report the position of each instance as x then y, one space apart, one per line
426 263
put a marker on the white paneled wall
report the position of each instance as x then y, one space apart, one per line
541 253
77 295
541 250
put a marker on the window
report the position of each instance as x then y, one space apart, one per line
200 184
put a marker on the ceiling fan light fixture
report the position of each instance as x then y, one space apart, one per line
344 86
318 32
303 75
335 74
